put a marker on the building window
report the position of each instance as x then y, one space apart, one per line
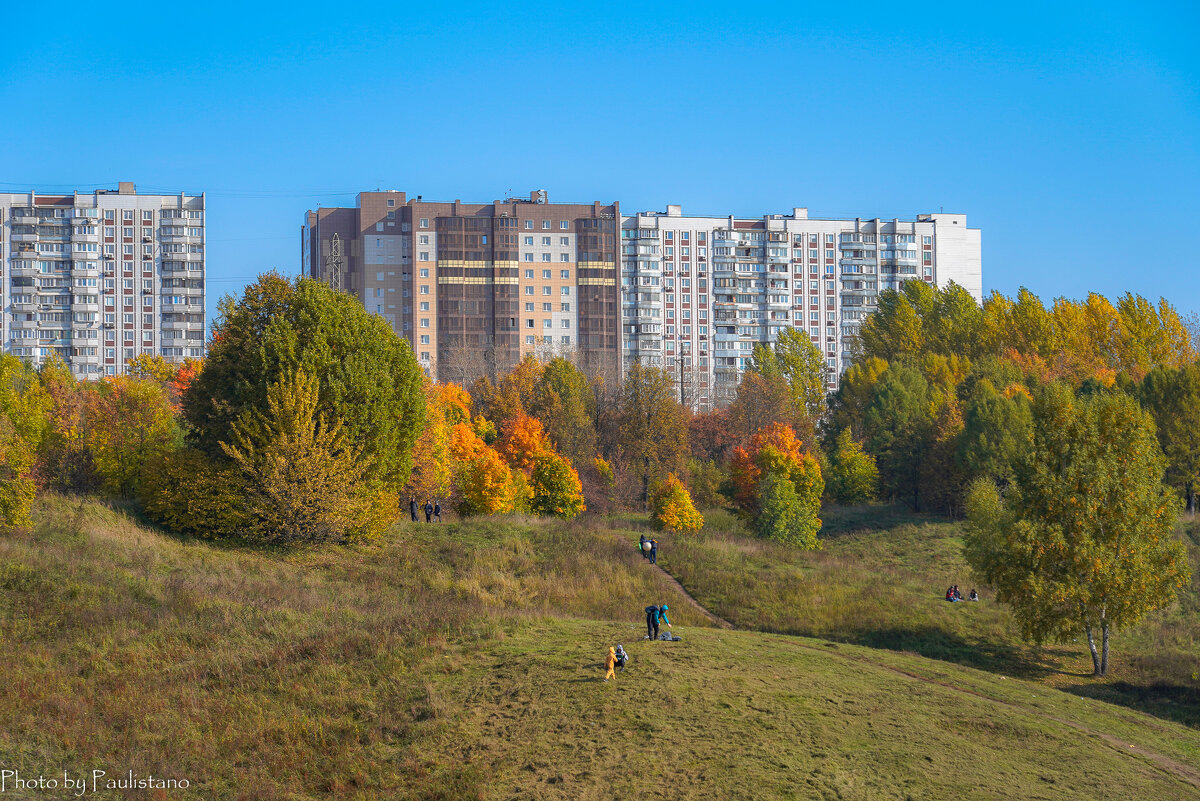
564 240
545 290
528 257
423 239
565 257
529 240
564 273
424 322
424 222
566 307
424 339
545 225
424 273
528 290
424 255
528 322
391 215
529 274
528 307
546 241
545 275
566 290
528 225
547 307
391 201
545 257
424 305
424 289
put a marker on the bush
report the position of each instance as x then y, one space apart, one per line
784 516
305 482
188 493
671 507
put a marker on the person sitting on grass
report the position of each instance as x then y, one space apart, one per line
974 596
610 662
622 657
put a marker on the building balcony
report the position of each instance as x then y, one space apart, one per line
81 306
24 237
857 245
24 268
24 307
22 217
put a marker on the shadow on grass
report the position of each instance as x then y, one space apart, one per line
1176 703
839 520
1173 702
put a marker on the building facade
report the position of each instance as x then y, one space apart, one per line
101 277
698 293
475 287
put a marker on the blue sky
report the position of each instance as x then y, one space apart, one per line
1069 133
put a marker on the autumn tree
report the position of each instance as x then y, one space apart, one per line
671 507
368 381
1172 396
776 453
556 489
512 393
1083 538
130 422
650 426
305 480
24 407
562 400
64 461
852 475
522 441
794 358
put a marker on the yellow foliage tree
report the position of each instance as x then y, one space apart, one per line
671 507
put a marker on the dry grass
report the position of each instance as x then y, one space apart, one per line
461 661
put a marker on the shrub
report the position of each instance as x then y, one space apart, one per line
785 516
188 493
305 482
671 507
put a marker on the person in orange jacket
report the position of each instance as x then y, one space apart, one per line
610 662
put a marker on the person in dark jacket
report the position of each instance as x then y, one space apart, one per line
644 547
428 512
437 510
412 508
654 615
654 552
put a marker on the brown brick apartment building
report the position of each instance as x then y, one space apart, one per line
475 287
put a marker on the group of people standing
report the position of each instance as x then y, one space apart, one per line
433 510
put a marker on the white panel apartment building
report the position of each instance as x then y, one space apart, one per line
697 293
101 277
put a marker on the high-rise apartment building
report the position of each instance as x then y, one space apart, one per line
101 277
474 287
698 293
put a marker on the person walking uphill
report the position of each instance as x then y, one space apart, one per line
412 508
610 662
654 552
644 547
428 512
437 510
654 616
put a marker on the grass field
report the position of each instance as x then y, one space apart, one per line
880 580
462 662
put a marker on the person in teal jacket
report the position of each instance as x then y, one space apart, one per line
654 616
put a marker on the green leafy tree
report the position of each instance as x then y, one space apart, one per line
801 364
1083 539
24 410
853 475
1173 398
787 516
305 480
557 490
651 427
898 425
995 431
369 382
562 400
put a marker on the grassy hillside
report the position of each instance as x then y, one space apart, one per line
462 662
879 581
